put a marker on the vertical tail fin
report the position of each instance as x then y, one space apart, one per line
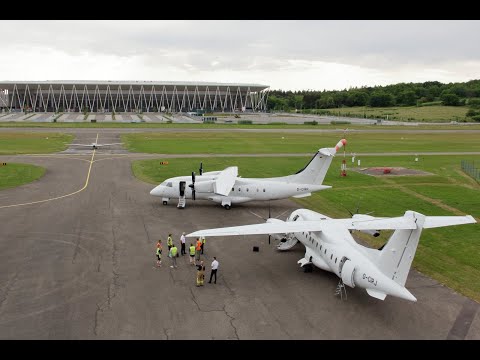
396 257
314 172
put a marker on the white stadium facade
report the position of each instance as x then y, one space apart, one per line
131 96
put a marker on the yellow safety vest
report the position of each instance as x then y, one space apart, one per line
169 241
192 250
203 240
174 251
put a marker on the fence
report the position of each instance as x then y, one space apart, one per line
469 168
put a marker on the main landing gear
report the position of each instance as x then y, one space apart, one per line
227 204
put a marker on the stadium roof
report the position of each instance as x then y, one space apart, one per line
131 82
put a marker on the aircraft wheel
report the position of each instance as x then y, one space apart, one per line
165 202
227 207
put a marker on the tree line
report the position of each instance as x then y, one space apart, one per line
403 94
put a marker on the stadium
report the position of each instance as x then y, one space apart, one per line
131 96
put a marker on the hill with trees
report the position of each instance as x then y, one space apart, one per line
403 94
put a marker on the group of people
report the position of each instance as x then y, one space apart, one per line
194 251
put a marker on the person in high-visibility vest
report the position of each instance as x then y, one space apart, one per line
173 255
198 248
200 274
192 254
202 238
169 241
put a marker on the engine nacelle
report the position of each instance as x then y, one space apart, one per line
204 186
348 273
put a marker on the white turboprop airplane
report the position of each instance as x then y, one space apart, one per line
330 246
95 145
227 188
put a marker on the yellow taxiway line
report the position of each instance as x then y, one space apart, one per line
63 196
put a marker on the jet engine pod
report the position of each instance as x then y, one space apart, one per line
348 272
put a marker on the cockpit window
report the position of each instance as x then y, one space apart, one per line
169 184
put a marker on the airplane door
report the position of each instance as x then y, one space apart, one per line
182 186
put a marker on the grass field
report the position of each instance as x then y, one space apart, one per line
268 143
33 143
407 113
449 255
13 174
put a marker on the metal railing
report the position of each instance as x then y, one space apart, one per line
468 167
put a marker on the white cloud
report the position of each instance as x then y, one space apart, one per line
283 54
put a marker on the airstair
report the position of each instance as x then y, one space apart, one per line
181 202
341 290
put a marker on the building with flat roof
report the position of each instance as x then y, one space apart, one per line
131 96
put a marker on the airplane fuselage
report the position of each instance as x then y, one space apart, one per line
243 190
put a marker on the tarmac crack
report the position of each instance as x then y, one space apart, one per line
231 318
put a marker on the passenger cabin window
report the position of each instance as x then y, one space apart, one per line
247 189
233 189
336 260
331 257
263 190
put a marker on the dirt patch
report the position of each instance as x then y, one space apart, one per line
389 171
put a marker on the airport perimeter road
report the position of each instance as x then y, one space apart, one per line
79 263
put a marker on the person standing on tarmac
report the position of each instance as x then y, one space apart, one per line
159 253
214 270
182 243
169 242
173 255
200 274
198 248
192 254
202 239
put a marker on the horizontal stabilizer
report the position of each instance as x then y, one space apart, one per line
376 294
439 221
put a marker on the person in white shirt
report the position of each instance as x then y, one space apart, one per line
214 270
182 241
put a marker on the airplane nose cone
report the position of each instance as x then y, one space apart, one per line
155 191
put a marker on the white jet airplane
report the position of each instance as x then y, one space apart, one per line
95 145
227 188
330 246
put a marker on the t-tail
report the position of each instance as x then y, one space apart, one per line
395 259
316 169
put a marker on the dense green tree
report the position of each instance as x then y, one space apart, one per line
449 99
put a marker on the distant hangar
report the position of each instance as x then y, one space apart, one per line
131 96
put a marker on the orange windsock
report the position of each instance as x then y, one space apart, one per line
341 143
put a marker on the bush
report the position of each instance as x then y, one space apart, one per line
476 118
339 122
472 112
314 122
245 122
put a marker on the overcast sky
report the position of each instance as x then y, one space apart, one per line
287 55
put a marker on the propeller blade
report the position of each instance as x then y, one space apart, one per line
193 193
201 168
269 236
193 178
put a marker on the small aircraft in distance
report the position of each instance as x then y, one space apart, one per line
330 246
95 145
226 187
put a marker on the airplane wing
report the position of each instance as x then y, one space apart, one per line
278 227
225 180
